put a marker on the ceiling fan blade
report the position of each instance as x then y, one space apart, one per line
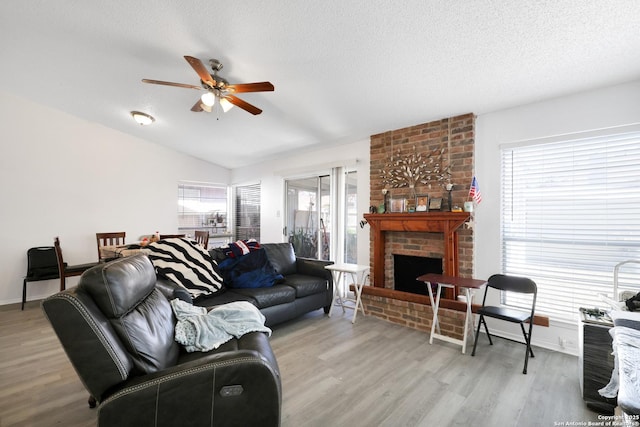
250 87
160 82
201 70
243 104
197 107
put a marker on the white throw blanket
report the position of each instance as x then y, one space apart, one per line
199 330
626 351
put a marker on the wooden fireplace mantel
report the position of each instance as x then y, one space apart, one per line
429 222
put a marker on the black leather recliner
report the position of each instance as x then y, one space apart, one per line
117 329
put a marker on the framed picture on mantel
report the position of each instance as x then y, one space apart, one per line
435 203
397 205
422 203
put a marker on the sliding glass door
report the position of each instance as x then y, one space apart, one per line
308 216
321 215
350 217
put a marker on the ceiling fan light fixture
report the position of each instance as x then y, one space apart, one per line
143 119
217 87
208 99
225 104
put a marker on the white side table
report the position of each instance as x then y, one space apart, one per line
358 274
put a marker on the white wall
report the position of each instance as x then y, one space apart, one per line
63 176
272 174
597 109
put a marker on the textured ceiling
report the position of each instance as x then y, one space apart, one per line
342 70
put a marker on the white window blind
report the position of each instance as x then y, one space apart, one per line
247 212
570 213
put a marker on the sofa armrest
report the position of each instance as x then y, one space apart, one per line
171 290
230 388
314 267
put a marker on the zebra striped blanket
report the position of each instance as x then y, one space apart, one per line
187 264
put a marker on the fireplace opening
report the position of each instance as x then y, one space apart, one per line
406 268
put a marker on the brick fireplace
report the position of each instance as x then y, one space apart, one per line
454 138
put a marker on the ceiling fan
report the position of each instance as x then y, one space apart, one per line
217 88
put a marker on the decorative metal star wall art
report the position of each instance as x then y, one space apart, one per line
410 170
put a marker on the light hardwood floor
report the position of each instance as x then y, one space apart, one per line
373 373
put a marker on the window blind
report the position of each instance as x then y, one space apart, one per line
247 225
570 212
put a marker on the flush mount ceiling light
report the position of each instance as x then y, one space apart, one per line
142 118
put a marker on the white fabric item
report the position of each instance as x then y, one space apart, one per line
611 389
625 340
199 330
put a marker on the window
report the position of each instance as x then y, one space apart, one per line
570 213
247 224
203 207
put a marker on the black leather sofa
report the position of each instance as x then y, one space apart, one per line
117 329
307 286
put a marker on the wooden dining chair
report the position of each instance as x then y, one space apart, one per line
109 239
171 236
65 270
202 237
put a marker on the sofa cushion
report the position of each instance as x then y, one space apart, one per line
306 285
223 297
282 257
267 297
187 264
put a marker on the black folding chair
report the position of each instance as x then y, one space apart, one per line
42 264
505 283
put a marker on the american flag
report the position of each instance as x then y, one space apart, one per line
474 191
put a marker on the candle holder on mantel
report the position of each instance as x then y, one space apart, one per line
449 188
385 205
